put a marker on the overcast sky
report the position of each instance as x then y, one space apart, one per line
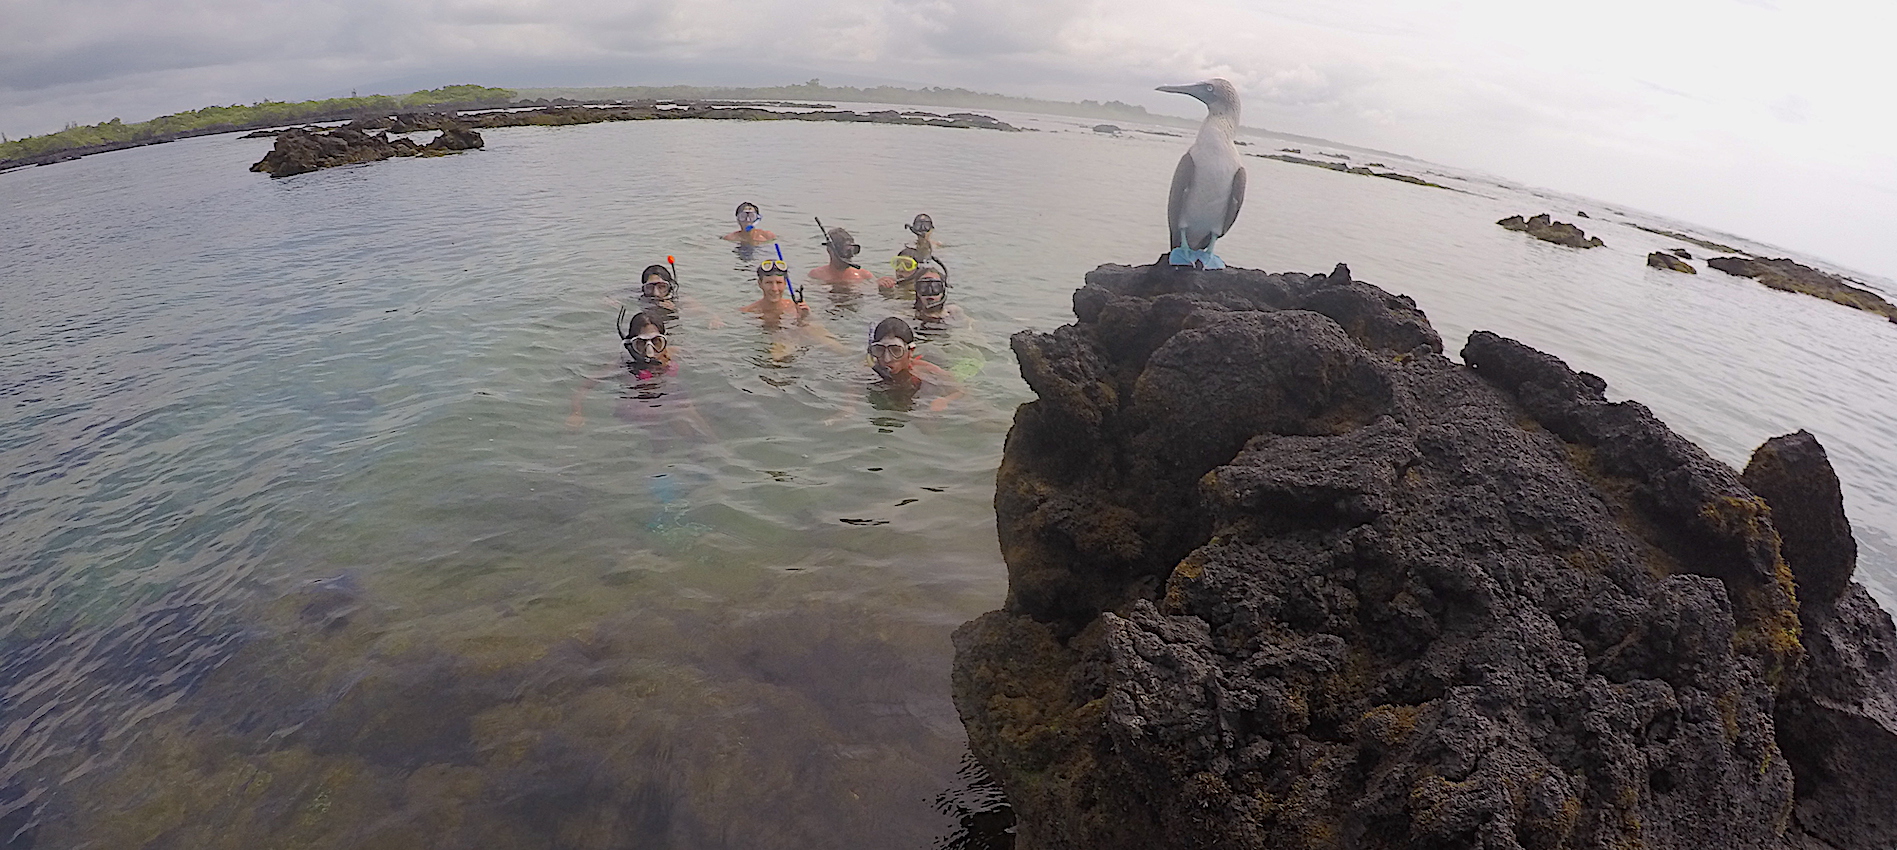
1771 119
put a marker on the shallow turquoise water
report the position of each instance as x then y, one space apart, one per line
291 504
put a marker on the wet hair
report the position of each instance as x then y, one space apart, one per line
642 319
895 327
747 204
659 270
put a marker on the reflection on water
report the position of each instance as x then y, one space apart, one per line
305 550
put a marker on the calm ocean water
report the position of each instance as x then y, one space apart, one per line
300 549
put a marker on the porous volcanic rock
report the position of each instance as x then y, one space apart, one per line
1837 721
1668 262
299 151
1791 276
1548 230
1282 575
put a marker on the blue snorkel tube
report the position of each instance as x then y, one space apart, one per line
796 297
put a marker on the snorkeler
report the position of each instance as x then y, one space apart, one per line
906 265
748 232
924 228
650 356
931 302
648 352
778 300
841 247
660 294
892 355
773 284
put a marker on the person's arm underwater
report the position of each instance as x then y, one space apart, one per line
940 377
577 417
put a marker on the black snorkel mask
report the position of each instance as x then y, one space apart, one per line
922 225
931 292
841 245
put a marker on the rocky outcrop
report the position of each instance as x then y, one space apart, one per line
1282 575
1548 230
300 151
1837 720
1789 276
1360 170
1669 262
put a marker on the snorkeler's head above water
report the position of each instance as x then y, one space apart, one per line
922 225
645 342
657 282
891 347
748 215
773 277
907 264
841 245
931 288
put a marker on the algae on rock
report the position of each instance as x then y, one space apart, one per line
1284 576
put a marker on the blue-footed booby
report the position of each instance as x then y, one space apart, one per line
1208 187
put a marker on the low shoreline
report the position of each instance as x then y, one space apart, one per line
544 113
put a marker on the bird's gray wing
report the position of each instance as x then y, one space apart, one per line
1234 201
1176 199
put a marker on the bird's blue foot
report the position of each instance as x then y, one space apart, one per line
1205 259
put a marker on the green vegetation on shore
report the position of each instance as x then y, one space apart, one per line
815 90
214 119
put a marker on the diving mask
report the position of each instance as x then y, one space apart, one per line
648 345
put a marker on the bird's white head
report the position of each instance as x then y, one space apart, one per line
1218 95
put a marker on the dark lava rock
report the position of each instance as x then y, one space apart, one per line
1281 575
300 151
1837 722
1789 276
1682 253
1668 262
1582 214
1548 230
456 139
1108 129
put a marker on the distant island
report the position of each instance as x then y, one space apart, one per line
814 89
76 141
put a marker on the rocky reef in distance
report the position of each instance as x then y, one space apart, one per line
1282 575
1546 229
1670 262
1791 276
300 151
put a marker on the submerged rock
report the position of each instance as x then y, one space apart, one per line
1548 230
1789 276
1282 575
300 151
1669 262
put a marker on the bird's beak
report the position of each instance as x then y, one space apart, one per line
1175 89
